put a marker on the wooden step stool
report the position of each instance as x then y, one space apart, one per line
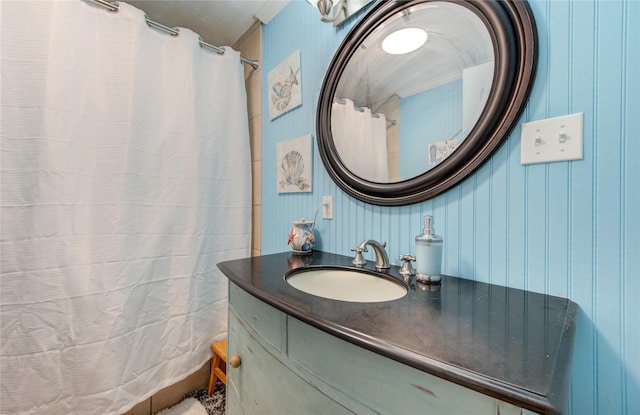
218 365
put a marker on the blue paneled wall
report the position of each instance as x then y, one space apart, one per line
570 229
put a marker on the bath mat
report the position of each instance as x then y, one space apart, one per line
189 406
214 404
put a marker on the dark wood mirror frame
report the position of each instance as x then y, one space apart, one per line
513 32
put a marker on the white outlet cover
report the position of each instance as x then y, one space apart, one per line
327 207
553 139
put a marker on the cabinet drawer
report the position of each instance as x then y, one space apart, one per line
265 386
233 404
382 384
265 320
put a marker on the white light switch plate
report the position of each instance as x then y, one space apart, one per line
553 139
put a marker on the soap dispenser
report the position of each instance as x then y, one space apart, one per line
428 254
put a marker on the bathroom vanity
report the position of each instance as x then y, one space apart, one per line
458 347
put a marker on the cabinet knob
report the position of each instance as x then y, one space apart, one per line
235 361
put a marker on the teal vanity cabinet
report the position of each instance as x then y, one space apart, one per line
265 382
451 351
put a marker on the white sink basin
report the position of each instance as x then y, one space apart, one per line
347 285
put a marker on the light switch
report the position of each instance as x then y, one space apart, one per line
553 139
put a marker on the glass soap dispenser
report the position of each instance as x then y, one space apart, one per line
428 254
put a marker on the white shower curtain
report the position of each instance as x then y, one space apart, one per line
361 140
125 173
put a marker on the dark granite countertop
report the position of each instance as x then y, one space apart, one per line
511 344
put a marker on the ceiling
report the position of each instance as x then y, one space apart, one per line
218 22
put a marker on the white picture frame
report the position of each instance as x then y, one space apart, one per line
294 165
285 87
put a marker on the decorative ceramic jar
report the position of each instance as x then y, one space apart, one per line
301 237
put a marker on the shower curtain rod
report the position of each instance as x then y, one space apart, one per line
114 7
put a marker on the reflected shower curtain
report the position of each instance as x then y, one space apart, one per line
361 140
125 173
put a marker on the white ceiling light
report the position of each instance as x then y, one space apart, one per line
404 41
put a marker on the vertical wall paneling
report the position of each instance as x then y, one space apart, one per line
536 174
498 217
450 231
482 224
607 254
557 173
622 218
582 208
630 285
568 228
516 209
466 229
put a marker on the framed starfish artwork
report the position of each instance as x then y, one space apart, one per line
285 89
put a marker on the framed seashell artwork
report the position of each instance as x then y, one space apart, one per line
285 89
294 165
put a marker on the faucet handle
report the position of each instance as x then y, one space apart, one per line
407 269
359 261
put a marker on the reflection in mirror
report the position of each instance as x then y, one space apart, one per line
397 114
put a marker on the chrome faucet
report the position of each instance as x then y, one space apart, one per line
382 259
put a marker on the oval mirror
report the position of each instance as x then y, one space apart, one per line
402 119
